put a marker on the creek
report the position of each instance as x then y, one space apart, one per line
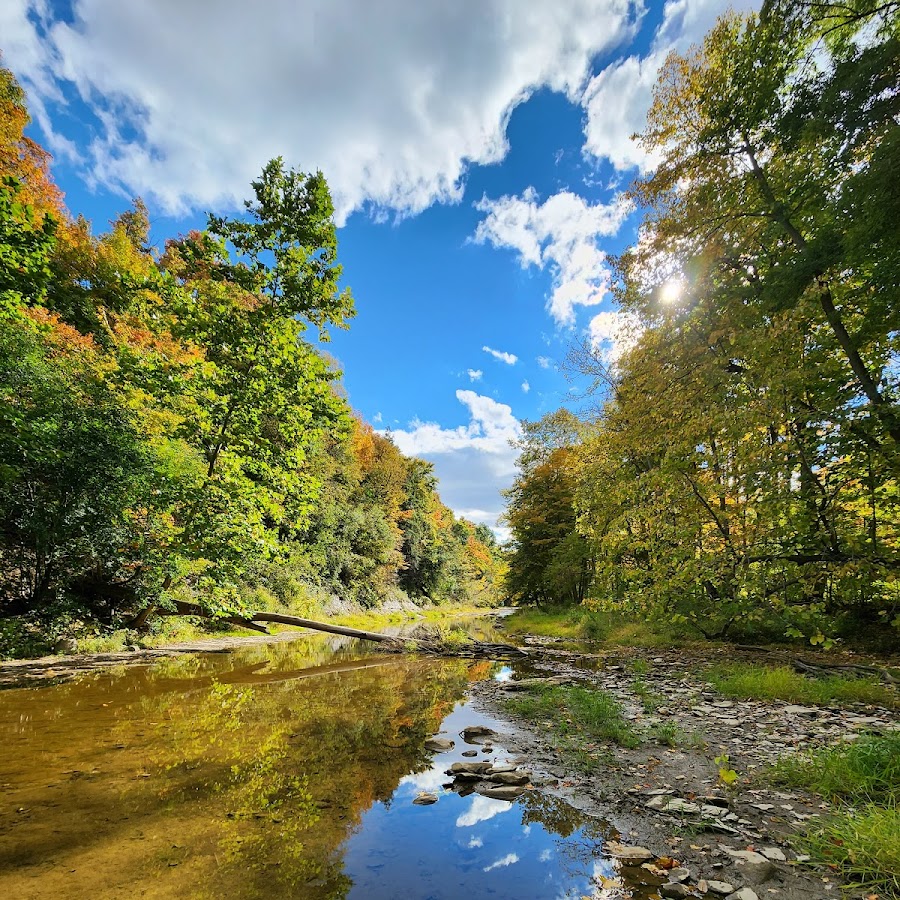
278 770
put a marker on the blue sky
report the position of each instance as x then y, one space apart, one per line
477 152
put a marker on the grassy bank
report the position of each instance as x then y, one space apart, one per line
861 836
579 623
746 681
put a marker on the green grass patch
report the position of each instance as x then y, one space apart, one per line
865 771
861 838
749 682
578 623
577 714
863 844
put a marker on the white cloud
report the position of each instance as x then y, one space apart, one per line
612 333
544 362
616 100
377 419
509 358
545 855
474 462
504 861
475 842
392 100
526 387
482 809
474 374
561 232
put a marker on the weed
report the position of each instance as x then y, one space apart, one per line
650 699
727 775
668 734
862 837
781 683
639 666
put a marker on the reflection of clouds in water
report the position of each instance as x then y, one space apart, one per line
526 830
482 809
604 868
430 780
507 860
545 855
475 842
505 674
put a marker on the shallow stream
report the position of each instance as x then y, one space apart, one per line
281 770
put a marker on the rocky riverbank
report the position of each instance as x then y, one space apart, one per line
677 818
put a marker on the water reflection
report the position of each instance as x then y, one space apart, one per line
280 770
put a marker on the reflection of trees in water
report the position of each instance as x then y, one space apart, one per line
558 817
274 775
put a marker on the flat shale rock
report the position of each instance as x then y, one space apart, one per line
499 791
629 855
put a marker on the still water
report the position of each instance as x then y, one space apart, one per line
281 770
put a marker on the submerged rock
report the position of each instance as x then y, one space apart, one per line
439 744
629 855
425 799
674 889
475 734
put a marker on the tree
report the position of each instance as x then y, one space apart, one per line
550 561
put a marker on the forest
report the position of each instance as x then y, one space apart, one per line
173 435
737 471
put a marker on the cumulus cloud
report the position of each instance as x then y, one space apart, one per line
482 809
616 100
509 358
526 387
474 462
474 374
562 233
391 100
544 362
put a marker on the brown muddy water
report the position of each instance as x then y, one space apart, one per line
282 770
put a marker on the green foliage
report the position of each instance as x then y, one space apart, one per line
169 434
550 562
862 844
25 249
741 478
780 683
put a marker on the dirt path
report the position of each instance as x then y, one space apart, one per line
671 800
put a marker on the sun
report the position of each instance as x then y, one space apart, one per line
671 291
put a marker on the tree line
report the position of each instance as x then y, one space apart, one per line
171 429
741 471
